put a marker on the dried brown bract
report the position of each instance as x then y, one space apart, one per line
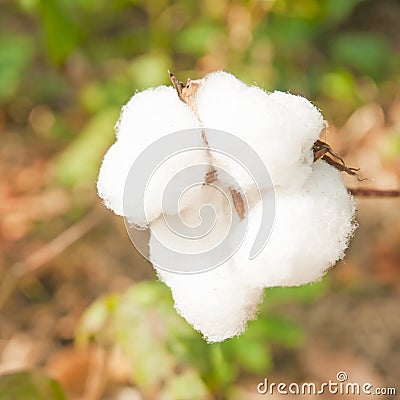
187 92
321 151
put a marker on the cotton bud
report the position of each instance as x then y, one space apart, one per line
226 178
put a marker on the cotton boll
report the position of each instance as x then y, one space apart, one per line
280 127
216 302
195 227
311 232
136 130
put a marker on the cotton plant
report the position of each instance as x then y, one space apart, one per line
313 211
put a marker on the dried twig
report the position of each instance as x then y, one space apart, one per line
96 380
322 149
46 253
343 168
365 192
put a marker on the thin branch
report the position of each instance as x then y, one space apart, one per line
365 192
46 253
97 374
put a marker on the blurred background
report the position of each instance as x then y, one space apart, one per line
81 314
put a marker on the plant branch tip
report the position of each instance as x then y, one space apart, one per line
321 151
366 192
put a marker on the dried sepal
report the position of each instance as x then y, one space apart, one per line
238 203
187 93
321 151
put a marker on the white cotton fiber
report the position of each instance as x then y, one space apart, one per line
279 126
174 172
113 175
215 302
232 172
147 117
152 114
172 235
311 231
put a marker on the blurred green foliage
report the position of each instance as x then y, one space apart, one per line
29 385
84 59
166 354
90 57
15 56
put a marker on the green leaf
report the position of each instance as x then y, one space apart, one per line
15 55
251 355
276 329
197 37
94 320
149 70
144 325
79 163
61 32
145 322
339 85
188 386
289 35
28 6
97 96
364 53
30 385
305 294
339 10
222 371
